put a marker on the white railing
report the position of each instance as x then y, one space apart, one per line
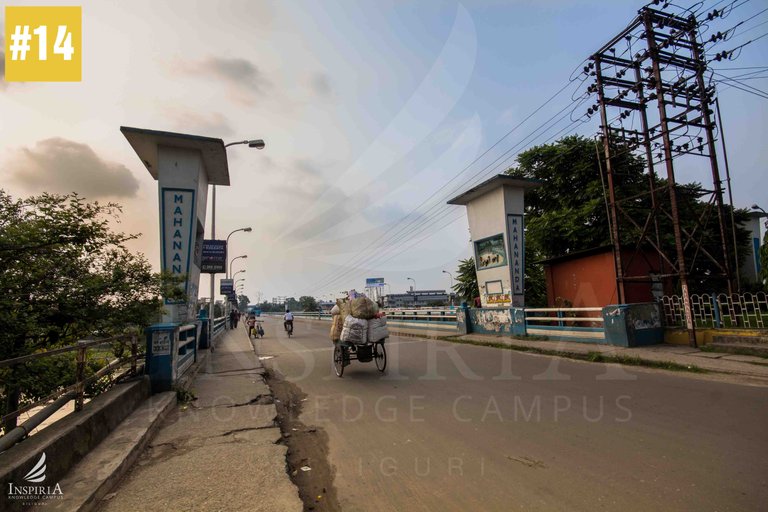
746 310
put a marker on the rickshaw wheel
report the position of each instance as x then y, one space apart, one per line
338 359
380 355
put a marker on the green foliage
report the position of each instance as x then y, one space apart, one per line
66 276
243 302
307 303
466 281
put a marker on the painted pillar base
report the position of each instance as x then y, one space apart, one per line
518 321
633 325
161 355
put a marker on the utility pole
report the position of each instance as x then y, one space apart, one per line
660 53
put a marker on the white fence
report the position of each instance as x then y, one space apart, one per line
746 310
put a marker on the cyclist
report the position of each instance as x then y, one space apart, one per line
288 320
250 324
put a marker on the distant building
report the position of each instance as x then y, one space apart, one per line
325 306
417 299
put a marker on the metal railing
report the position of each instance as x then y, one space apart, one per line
219 325
187 347
93 367
564 316
746 310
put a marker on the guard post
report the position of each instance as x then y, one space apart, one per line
183 165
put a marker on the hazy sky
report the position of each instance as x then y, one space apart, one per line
368 108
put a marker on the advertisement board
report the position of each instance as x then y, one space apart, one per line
227 286
214 257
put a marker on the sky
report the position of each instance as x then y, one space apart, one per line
374 113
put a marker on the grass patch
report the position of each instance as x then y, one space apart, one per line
592 357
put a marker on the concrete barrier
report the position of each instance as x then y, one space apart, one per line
70 439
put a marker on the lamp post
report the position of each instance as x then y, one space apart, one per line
414 283
233 260
451 288
245 230
239 271
254 143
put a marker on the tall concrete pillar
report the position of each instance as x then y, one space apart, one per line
496 224
183 165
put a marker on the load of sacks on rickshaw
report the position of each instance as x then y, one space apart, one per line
358 320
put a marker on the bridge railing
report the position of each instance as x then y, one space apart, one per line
582 323
219 325
86 369
718 310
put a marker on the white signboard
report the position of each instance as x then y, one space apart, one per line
161 343
177 221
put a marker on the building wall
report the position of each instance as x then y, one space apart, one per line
590 281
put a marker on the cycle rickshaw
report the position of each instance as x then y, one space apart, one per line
344 352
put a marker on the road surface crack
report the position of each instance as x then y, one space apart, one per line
261 399
527 461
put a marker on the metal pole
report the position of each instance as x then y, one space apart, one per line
213 276
654 51
705 103
730 195
611 190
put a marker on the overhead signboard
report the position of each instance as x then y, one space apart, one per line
227 286
374 281
214 257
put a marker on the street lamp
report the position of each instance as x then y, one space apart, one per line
233 260
255 143
246 230
450 294
414 282
756 207
239 271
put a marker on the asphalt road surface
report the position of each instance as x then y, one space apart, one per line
453 427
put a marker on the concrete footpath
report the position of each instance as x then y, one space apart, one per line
216 452
750 369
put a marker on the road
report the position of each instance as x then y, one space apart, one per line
454 427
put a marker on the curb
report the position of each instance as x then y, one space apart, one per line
103 468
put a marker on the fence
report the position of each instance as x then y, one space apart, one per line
746 310
566 323
87 368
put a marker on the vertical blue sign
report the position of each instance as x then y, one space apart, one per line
515 235
177 215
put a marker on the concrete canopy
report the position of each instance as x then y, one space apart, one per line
491 184
146 143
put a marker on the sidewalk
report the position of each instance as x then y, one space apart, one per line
753 367
217 452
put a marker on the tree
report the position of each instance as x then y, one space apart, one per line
243 302
307 303
65 275
466 281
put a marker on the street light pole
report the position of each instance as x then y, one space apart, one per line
232 261
414 282
254 143
246 230
450 295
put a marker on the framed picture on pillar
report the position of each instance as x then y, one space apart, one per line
490 252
